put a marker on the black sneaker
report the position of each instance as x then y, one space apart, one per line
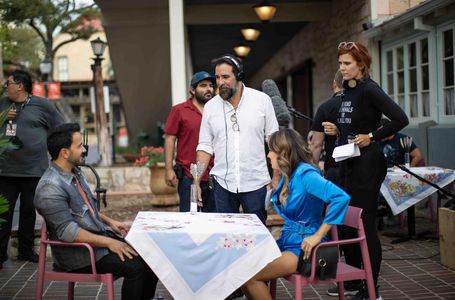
31 258
349 290
363 295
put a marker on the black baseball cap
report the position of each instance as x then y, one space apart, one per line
203 75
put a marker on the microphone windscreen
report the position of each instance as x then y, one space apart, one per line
281 111
270 88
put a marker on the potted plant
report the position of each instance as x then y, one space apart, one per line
153 158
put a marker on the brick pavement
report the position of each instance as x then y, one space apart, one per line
410 270
419 276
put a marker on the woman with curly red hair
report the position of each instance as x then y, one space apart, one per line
363 104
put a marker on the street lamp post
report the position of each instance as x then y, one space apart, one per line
45 68
104 141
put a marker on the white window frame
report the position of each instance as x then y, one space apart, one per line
444 119
404 43
63 74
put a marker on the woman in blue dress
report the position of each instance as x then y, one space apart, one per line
299 198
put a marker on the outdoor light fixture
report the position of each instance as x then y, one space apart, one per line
265 11
45 66
250 34
242 50
98 47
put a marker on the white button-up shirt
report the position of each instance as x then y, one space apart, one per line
240 158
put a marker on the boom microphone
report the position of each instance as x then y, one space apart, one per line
281 111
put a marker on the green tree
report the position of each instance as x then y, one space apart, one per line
21 47
49 18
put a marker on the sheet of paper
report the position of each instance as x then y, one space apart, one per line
346 151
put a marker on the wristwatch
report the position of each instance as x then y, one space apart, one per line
370 135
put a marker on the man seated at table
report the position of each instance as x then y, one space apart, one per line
394 148
64 199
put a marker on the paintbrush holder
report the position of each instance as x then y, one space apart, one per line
407 163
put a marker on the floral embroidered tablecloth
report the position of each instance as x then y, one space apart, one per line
202 255
402 190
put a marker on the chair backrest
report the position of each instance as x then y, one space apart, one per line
353 218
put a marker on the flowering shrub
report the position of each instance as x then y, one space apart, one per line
150 156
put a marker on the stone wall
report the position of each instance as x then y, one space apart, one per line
318 41
121 179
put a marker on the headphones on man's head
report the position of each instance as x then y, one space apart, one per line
240 75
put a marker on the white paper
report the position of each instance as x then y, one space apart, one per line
346 151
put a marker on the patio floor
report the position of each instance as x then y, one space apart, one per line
410 270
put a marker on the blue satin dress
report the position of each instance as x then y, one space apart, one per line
302 211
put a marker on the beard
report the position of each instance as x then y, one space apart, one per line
226 93
77 161
203 98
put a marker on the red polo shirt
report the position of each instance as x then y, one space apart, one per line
184 122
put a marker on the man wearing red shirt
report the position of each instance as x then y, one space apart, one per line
182 126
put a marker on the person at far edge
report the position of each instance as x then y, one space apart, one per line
235 125
363 103
182 126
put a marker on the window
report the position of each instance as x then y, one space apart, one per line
406 77
448 71
62 64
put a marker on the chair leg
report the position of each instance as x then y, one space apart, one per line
298 289
110 289
371 288
273 288
70 290
39 287
340 285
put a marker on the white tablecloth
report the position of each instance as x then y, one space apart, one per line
402 190
202 255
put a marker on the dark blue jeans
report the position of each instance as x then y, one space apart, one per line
139 280
184 190
252 202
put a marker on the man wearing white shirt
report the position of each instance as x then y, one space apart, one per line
234 128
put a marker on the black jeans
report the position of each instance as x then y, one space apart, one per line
184 189
11 188
363 176
139 280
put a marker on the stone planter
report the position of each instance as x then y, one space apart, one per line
162 193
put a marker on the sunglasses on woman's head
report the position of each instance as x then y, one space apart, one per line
347 46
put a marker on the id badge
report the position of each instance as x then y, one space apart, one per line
11 129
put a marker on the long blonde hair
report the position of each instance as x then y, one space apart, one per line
291 149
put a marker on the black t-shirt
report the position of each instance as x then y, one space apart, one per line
361 110
327 112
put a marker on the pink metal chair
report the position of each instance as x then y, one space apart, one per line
44 275
345 272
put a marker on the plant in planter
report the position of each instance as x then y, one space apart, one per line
153 158
150 156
